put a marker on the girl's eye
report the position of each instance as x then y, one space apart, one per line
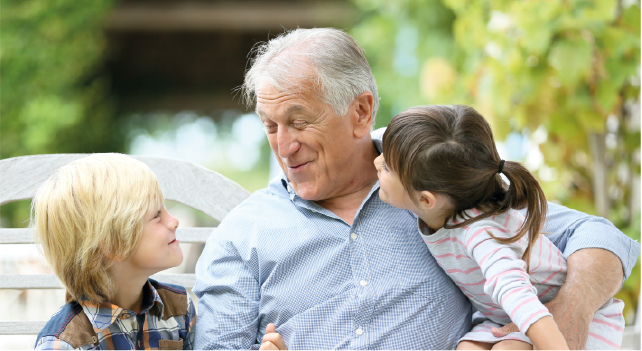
157 214
385 168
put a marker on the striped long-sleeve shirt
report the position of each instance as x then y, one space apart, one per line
493 275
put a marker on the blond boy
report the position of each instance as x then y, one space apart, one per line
103 229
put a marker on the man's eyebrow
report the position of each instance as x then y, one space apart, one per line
294 108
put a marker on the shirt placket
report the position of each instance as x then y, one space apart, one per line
364 286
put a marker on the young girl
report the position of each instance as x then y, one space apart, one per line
441 163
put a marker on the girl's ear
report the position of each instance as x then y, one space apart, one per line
427 200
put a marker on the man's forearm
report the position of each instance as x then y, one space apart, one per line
594 276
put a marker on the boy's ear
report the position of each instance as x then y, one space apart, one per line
427 200
112 257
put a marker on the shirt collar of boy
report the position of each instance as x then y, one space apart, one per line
104 314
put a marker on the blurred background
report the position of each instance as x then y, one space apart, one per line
558 80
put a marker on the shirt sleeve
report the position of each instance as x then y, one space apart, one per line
229 296
506 279
51 342
572 230
190 321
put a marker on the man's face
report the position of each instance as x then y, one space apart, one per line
313 145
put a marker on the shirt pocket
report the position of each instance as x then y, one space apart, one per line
170 344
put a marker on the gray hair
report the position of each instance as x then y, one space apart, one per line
330 59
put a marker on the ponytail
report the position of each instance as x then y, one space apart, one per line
524 191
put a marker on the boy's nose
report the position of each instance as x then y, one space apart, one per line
173 222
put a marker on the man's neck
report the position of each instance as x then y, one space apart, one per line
365 175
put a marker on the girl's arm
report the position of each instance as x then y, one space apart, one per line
545 335
507 281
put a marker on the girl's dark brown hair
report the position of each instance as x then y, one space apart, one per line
450 150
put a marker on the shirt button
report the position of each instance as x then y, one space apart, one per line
363 283
359 331
125 315
353 236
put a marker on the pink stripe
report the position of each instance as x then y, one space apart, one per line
614 315
492 314
550 255
507 219
452 255
506 272
595 320
473 284
445 240
479 231
552 275
513 292
530 299
476 211
456 270
531 317
539 257
488 254
545 291
606 341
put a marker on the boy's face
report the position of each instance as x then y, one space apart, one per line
391 190
158 248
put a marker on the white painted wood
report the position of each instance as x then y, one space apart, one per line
25 235
49 281
21 327
181 181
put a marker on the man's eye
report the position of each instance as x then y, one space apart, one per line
299 124
270 128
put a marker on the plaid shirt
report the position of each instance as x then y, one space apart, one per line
156 326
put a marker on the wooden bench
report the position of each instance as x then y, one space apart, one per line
184 182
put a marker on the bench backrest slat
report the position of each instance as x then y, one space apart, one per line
25 235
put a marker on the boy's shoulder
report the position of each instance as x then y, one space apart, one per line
174 298
70 325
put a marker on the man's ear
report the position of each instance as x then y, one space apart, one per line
427 200
362 117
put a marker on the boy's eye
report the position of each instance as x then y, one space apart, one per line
383 165
157 214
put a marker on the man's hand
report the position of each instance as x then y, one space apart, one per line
594 276
272 340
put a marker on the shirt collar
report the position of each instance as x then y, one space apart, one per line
102 315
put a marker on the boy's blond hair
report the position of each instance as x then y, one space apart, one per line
90 212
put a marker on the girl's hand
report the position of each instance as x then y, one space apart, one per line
272 340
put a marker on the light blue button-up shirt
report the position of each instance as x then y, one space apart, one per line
277 258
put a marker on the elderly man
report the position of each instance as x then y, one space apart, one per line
321 256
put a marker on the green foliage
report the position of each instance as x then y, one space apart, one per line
54 98
51 51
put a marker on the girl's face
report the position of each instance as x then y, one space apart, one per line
391 190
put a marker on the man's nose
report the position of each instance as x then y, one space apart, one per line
286 143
